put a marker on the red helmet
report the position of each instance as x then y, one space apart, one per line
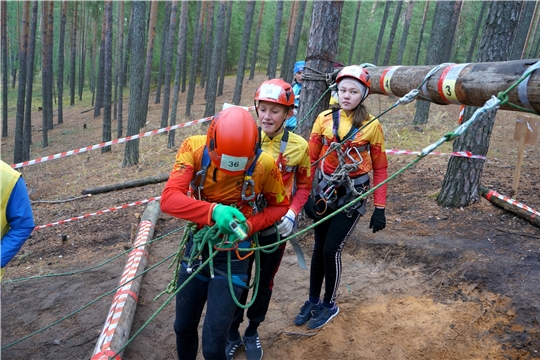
232 140
275 91
358 73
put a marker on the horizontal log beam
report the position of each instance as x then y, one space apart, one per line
463 84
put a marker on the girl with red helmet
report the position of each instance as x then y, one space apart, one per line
274 101
345 155
228 152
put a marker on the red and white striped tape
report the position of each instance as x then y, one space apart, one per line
97 213
103 346
461 113
455 153
512 201
113 142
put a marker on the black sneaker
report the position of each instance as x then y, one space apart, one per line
305 313
232 346
321 316
253 347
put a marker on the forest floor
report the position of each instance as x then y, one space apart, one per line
437 283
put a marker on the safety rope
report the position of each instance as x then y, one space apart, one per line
92 267
89 304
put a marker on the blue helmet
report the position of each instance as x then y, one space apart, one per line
299 66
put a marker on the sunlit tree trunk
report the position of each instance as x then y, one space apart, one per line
321 49
355 28
392 35
296 40
405 33
421 36
224 48
131 152
381 31
272 60
168 66
149 56
250 9
213 74
107 77
288 40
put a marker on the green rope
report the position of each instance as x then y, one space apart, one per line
87 305
312 108
92 267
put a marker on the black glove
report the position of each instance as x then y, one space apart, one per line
310 207
378 220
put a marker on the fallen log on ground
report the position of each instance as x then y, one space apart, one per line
127 184
511 205
117 327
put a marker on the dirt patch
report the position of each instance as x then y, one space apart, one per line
437 283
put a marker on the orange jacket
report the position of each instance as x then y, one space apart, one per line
221 188
374 159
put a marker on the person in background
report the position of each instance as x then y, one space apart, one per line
222 172
344 175
292 122
274 101
16 219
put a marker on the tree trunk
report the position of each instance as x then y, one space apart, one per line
50 75
462 179
296 40
164 35
392 35
250 9
523 27
3 25
256 44
381 32
288 40
27 127
21 91
213 75
272 60
131 152
73 57
168 66
45 93
479 23
126 185
93 64
120 69
224 48
321 48
530 32
182 39
107 77
405 33
420 37
436 51
149 55
355 27
60 78
101 71
82 57
194 59
451 31
179 60
207 50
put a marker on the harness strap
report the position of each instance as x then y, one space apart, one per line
336 117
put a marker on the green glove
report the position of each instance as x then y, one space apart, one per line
224 214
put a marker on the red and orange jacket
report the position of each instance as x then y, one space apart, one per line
296 158
221 188
374 159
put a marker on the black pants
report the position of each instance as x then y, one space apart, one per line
220 308
330 238
269 266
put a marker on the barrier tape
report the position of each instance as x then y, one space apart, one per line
512 201
461 114
467 154
113 142
122 294
97 213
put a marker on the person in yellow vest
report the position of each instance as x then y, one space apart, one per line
16 219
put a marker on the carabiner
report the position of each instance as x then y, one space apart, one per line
248 182
201 176
355 162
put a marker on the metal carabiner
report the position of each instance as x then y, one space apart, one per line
201 177
355 162
248 182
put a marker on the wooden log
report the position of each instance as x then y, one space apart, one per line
531 217
117 327
127 184
462 84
